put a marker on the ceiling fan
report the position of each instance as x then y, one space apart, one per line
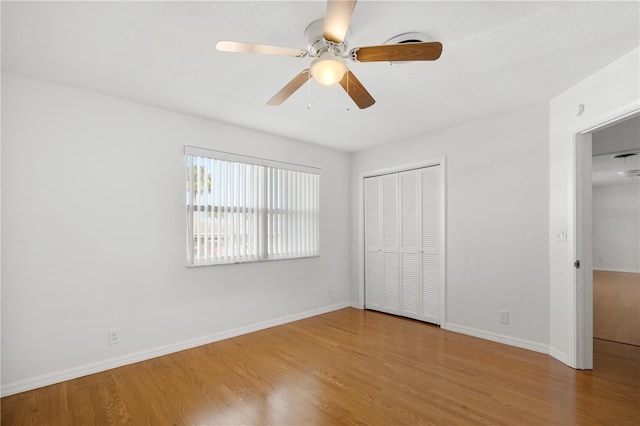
328 45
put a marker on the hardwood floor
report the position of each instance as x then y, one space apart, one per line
346 367
616 306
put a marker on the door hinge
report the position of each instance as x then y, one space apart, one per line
576 264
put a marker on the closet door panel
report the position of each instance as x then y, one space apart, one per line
430 215
391 282
382 290
390 243
430 223
430 289
372 217
410 285
374 279
390 212
409 241
409 211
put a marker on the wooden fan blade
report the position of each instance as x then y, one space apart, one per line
289 89
428 51
356 91
234 46
336 21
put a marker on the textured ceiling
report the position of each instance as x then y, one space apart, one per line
496 56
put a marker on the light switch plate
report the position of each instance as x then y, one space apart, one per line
560 236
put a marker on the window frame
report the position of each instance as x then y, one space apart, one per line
264 214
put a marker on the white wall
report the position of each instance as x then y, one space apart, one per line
93 235
607 94
616 227
496 221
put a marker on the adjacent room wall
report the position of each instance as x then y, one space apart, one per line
616 227
496 221
93 236
616 217
605 95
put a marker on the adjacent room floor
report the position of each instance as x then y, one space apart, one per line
616 307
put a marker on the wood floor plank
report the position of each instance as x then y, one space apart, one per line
616 306
346 367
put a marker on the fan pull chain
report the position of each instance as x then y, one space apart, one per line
347 108
309 90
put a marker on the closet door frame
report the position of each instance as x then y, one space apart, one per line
361 231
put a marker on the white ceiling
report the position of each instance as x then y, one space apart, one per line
496 56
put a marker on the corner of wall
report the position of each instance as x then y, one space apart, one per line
602 97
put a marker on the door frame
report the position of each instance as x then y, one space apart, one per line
441 161
582 249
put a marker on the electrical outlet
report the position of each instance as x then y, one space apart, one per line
114 336
503 317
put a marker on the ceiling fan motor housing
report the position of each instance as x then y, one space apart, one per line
316 43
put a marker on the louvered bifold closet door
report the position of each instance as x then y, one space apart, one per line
430 250
373 243
410 245
419 244
391 299
382 285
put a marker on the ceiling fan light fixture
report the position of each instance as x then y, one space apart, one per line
629 173
328 69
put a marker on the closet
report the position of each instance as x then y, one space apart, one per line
403 243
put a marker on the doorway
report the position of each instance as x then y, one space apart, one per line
616 232
583 218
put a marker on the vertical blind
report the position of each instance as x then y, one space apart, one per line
246 209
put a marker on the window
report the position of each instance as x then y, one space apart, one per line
246 209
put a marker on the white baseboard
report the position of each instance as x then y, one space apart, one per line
627 271
561 356
496 337
96 367
356 305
